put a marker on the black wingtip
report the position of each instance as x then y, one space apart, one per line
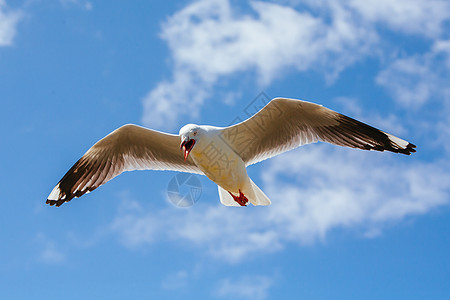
410 148
376 139
65 188
56 203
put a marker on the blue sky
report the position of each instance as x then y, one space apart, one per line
344 223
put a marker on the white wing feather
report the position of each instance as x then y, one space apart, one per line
128 148
284 124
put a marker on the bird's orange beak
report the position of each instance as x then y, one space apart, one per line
187 145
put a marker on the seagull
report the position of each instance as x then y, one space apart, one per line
221 153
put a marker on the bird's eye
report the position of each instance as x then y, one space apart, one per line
195 133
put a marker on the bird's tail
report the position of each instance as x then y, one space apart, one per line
225 198
256 198
260 198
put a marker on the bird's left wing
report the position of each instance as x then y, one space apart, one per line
284 124
128 148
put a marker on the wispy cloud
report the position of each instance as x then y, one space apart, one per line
249 287
50 253
177 280
337 188
321 188
419 82
416 79
134 226
183 95
313 192
210 40
8 23
419 17
86 5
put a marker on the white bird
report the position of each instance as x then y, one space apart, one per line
221 153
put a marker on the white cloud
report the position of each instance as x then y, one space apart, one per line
338 188
216 233
416 79
419 17
248 287
420 83
169 99
227 234
313 191
177 280
134 226
212 40
86 5
321 188
422 17
209 41
8 24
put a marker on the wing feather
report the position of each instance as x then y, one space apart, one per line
284 124
128 148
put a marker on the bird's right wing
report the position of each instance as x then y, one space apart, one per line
284 124
129 147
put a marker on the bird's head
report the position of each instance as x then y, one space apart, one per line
189 135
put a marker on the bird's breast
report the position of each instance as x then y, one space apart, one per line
219 163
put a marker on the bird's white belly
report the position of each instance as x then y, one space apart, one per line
222 165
